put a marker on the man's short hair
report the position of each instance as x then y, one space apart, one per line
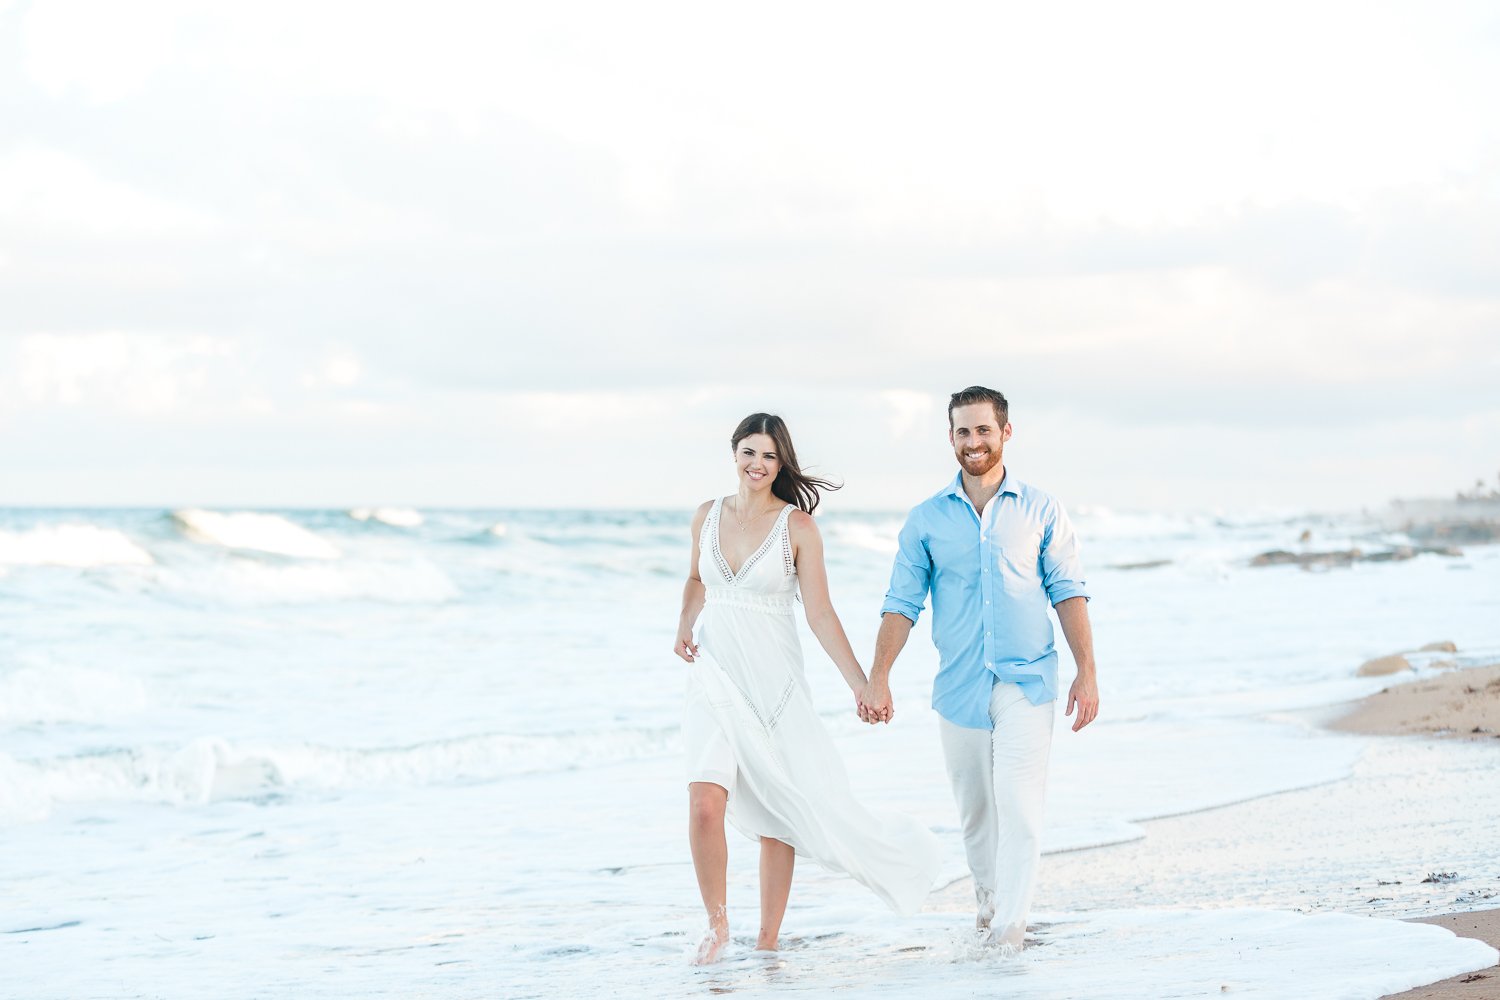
979 394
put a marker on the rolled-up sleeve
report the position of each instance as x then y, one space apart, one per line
912 573
1062 567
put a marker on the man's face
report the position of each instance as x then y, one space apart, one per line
978 437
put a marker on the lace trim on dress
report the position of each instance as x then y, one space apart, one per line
734 597
711 527
788 566
758 554
768 724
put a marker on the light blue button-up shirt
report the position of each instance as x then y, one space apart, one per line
991 578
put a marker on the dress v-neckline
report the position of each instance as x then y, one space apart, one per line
755 556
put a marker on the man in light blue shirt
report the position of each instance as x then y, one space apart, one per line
994 552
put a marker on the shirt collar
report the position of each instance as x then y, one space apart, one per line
1009 485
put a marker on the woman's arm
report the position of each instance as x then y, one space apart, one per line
692 594
807 552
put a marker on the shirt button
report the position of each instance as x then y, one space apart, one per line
986 635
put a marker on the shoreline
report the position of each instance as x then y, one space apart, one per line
1456 703
1482 925
1446 703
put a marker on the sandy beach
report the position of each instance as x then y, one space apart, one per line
1393 790
1483 985
1461 704
1457 704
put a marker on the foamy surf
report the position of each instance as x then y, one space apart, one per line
396 517
412 581
212 770
52 693
254 532
77 545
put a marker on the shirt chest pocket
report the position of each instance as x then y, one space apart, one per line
1017 556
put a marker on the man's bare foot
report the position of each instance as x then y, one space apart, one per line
986 913
711 948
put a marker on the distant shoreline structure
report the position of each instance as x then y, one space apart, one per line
1471 516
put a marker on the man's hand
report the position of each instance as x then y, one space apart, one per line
1085 694
875 702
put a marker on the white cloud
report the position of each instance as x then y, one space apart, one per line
110 371
57 194
102 51
315 229
907 411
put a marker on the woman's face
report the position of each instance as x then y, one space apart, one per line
756 462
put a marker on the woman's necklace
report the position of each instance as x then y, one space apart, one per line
745 524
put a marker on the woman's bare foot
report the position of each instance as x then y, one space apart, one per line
764 943
711 948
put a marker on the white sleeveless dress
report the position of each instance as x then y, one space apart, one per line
750 726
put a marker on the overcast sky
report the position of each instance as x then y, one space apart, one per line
1218 255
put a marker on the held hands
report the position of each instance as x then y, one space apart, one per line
874 702
1085 694
685 647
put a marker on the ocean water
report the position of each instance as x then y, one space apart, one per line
386 752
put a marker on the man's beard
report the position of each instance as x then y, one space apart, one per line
979 466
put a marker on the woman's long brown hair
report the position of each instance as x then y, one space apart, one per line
791 484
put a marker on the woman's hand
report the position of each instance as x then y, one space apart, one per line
685 647
875 703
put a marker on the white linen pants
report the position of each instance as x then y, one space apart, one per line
999 781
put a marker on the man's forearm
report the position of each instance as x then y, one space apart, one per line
1073 615
889 641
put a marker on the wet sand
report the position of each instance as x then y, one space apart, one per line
1460 704
1481 985
1399 793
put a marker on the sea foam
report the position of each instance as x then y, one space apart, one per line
76 545
396 517
211 769
389 581
254 532
56 693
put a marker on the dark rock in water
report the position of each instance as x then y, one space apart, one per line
1148 564
1281 557
1464 532
1346 557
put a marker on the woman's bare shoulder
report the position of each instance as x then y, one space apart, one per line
801 523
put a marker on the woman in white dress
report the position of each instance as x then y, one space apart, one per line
757 753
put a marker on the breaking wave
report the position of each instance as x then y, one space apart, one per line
211 770
77 545
254 532
396 517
